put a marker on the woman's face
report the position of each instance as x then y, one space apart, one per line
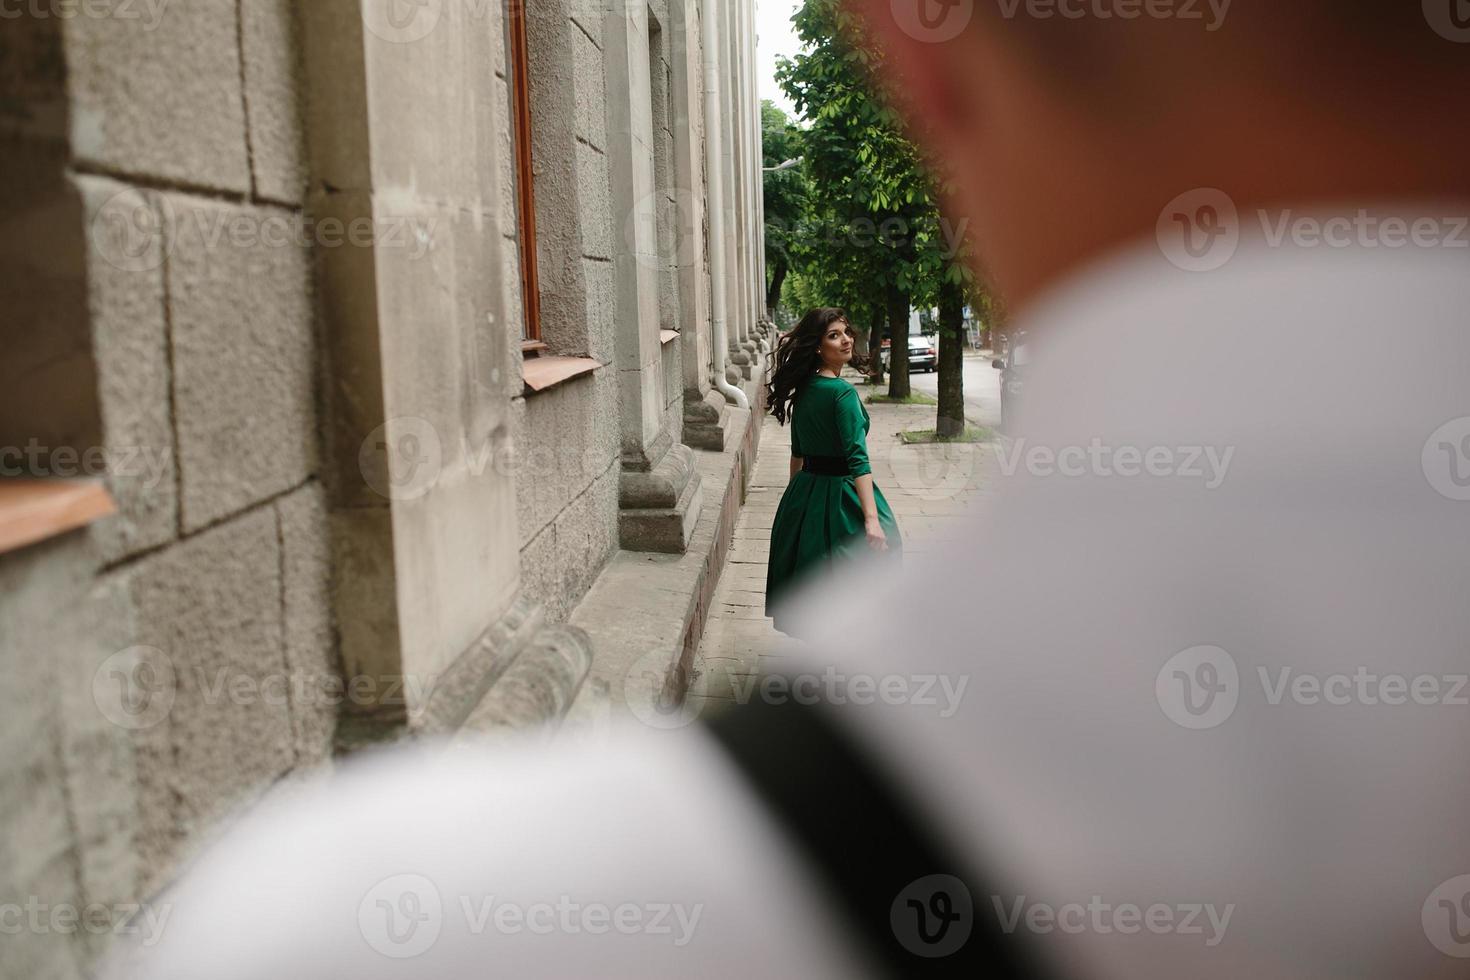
836 348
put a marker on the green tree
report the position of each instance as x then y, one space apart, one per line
787 199
949 284
872 203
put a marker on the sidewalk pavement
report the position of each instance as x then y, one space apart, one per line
929 488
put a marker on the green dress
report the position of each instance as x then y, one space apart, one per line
819 522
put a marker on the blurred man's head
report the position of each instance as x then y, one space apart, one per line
1070 124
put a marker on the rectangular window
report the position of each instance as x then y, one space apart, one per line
520 96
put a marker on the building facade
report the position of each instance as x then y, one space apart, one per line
373 368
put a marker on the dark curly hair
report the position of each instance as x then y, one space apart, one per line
797 360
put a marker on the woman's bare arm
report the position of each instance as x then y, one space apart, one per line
877 539
796 464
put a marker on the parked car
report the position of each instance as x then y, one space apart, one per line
923 355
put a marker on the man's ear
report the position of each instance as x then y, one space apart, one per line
931 56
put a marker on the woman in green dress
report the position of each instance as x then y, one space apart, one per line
832 513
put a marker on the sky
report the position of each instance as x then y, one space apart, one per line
774 36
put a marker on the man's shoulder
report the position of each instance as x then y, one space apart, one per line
627 857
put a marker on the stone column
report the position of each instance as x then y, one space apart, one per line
421 363
740 361
749 117
705 409
739 145
660 492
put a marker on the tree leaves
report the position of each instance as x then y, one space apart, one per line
863 172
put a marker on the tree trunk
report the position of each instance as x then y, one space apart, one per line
951 362
898 343
875 346
773 293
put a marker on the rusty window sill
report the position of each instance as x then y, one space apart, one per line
541 373
31 511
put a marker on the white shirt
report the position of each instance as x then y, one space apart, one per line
1143 812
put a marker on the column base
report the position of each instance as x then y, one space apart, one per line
705 421
658 508
740 361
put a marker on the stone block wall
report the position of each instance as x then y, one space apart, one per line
566 458
168 664
187 313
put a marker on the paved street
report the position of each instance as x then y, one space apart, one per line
929 488
982 389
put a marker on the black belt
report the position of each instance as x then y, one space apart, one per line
825 465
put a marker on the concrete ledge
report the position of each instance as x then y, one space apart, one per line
645 614
545 371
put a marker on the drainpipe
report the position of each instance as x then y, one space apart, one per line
714 152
